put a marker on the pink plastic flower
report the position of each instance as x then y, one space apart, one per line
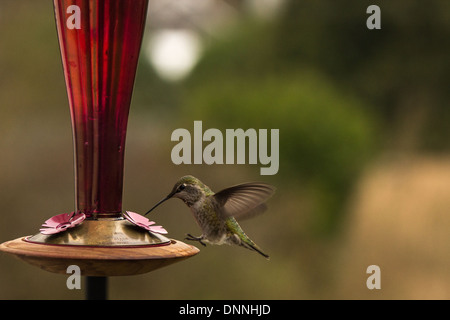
143 222
62 222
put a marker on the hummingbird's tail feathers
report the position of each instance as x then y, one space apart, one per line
249 244
238 237
257 249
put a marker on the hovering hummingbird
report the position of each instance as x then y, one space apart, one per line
216 213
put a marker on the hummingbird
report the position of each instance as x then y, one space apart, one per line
217 213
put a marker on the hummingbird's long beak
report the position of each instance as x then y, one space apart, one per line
166 198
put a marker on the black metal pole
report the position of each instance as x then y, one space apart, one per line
96 288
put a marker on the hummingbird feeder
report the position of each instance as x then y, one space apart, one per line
99 42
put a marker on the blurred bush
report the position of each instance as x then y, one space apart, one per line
325 137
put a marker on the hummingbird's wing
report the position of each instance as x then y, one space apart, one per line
243 200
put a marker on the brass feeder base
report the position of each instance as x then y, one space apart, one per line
104 232
109 247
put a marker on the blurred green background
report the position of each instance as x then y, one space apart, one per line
364 151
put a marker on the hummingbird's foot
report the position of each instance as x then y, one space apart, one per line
199 239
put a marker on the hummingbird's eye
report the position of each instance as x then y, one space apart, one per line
181 187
